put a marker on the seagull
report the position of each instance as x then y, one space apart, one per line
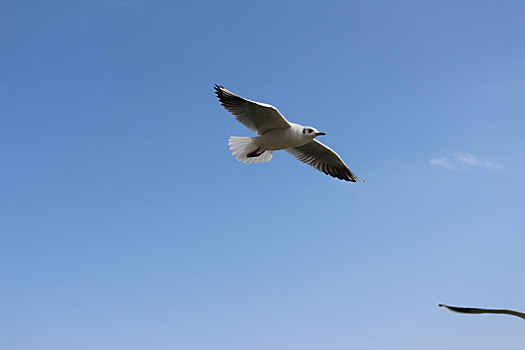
470 310
276 133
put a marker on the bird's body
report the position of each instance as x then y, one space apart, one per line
274 133
284 138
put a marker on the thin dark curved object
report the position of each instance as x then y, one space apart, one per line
473 310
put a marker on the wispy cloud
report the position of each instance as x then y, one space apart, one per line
463 160
471 160
442 162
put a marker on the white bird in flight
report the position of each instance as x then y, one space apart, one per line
276 133
472 310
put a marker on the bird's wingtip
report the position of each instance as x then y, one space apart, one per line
218 90
449 308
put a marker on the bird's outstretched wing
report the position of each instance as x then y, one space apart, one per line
324 159
259 117
473 310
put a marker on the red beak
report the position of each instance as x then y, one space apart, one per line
319 133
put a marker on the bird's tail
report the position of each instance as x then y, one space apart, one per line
245 150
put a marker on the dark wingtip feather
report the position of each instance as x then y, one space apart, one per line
218 89
349 176
221 94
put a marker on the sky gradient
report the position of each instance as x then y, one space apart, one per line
127 223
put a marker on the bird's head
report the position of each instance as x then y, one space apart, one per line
312 132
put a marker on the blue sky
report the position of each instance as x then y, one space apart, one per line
126 222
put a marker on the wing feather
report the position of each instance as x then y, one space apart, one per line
259 117
324 159
474 310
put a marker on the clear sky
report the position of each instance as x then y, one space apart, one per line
127 224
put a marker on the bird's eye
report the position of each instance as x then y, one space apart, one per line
310 131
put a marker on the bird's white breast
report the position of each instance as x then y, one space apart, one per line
283 138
